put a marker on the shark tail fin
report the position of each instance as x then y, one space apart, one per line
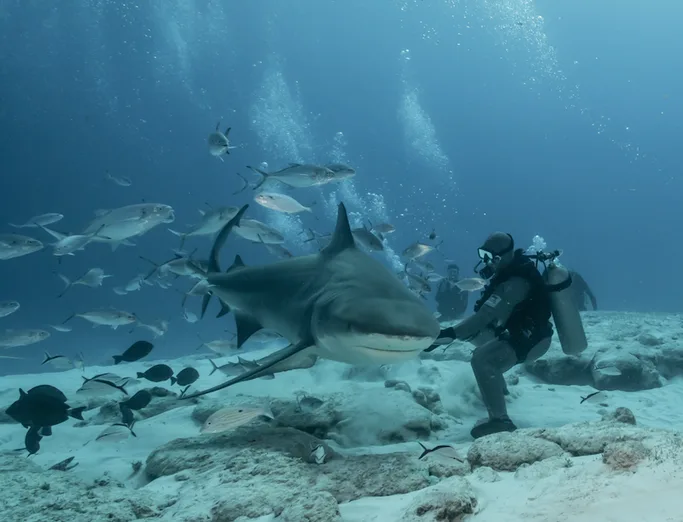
264 176
279 356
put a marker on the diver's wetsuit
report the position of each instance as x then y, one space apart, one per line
580 290
510 325
451 302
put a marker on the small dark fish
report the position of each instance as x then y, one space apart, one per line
138 401
432 235
158 373
137 351
40 409
186 376
64 465
127 416
443 451
32 441
46 389
594 397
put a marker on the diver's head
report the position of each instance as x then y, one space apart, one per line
496 253
453 272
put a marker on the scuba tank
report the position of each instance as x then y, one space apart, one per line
565 313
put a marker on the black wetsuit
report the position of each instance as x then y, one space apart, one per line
451 302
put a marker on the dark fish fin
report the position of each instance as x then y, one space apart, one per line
77 413
22 393
47 358
237 263
173 380
425 450
279 356
225 309
221 237
264 176
206 299
246 327
69 318
117 359
214 367
141 375
342 237
185 389
227 132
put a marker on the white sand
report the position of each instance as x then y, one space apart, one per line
585 492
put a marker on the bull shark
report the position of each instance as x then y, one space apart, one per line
339 304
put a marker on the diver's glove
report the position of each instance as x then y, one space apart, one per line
446 336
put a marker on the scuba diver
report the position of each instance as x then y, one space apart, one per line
581 291
511 321
451 302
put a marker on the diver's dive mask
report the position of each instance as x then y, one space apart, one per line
490 260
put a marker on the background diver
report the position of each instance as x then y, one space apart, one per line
451 302
510 325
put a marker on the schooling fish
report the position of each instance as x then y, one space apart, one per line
138 401
594 397
158 373
137 351
116 432
187 376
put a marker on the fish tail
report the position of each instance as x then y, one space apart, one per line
69 318
424 450
173 380
47 358
141 375
77 413
214 367
117 359
15 226
264 176
181 235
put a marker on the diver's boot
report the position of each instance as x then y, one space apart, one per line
490 426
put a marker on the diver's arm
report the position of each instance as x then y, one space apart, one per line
495 310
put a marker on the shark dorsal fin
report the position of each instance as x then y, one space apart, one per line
237 263
342 237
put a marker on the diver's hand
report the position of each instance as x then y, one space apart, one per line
446 336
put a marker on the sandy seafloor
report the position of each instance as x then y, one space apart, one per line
588 487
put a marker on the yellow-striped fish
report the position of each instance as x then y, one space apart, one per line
233 417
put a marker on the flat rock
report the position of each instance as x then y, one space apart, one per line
508 451
448 501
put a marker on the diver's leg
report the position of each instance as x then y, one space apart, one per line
489 362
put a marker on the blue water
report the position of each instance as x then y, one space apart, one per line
554 118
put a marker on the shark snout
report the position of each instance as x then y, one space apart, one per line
375 330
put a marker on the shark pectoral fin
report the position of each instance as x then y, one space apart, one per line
225 309
277 357
246 327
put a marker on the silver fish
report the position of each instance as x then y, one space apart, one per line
442 452
14 245
42 219
16 338
258 232
594 398
318 453
297 175
417 249
92 278
116 433
233 417
219 142
117 225
341 171
280 203
367 239
8 307
471 284
212 222
119 180
112 318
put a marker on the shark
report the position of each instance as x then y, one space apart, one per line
339 304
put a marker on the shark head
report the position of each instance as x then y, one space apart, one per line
364 314
373 330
